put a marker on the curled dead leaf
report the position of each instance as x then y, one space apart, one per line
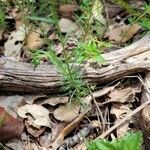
125 94
121 96
39 116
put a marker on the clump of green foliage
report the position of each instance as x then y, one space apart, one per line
90 50
69 68
131 141
71 81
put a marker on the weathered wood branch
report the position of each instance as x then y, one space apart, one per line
18 76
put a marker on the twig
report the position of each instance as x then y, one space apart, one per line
98 109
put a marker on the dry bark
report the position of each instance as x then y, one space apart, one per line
18 76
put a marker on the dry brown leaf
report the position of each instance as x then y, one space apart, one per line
39 116
67 26
123 129
14 43
87 100
67 10
10 103
45 139
120 112
124 95
34 41
34 99
145 123
67 113
121 95
34 131
53 101
66 131
123 33
56 129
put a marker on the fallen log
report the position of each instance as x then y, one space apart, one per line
21 77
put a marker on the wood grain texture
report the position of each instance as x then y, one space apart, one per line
18 76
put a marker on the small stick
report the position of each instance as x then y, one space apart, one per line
98 109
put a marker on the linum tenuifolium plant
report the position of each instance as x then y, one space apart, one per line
69 68
131 141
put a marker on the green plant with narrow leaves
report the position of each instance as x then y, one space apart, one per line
131 141
71 81
69 67
90 50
